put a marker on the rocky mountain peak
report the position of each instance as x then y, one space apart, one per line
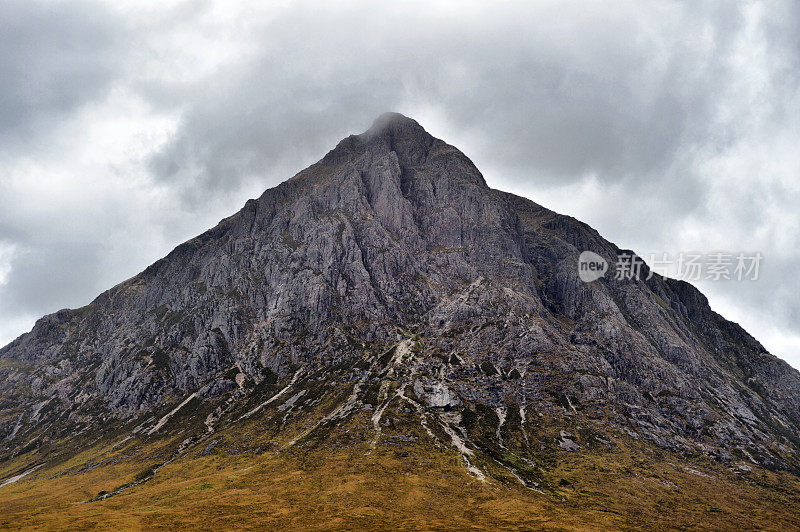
412 147
389 271
395 123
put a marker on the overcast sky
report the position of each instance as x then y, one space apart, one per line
129 127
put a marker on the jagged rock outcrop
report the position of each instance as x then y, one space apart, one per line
394 235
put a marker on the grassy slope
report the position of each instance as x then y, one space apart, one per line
333 479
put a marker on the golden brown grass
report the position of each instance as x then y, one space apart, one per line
335 481
414 488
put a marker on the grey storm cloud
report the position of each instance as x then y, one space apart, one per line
566 100
54 57
50 272
663 124
605 93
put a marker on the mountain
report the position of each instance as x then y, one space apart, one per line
386 300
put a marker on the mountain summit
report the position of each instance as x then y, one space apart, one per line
387 297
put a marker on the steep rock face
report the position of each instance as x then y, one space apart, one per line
392 235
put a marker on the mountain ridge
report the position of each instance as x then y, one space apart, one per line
393 242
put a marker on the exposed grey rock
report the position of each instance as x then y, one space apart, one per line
566 443
436 394
392 235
